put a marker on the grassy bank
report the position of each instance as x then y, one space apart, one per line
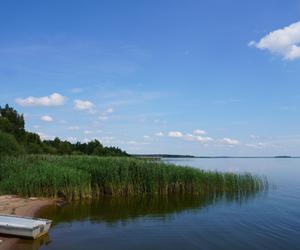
78 177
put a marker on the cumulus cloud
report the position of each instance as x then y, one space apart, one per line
203 139
175 134
197 138
199 132
46 118
229 141
159 134
190 137
84 105
52 100
284 42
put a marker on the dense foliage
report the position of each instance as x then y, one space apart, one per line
77 177
15 140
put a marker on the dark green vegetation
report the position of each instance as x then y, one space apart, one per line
79 177
15 140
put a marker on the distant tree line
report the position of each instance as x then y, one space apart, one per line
14 140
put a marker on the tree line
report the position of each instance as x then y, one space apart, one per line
14 140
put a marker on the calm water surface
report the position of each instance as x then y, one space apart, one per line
269 220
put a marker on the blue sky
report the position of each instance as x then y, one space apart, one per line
189 77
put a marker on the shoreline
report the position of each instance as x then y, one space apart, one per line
13 204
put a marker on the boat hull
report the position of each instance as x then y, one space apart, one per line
24 227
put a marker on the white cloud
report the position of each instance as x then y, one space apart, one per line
105 114
159 134
74 128
88 132
109 111
199 132
229 141
46 118
256 145
137 143
52 100
84 105
71 139
45 136
103 118
197 138
254 137
146 137
191 137
284 42
203 139
107 138
86 140
175 134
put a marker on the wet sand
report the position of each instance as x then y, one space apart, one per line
10 204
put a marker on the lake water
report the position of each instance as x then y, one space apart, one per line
268 220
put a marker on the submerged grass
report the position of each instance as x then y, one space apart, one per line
78 177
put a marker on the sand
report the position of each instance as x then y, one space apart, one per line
10 204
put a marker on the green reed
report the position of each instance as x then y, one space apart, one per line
78 177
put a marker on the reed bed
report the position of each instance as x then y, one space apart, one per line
79 177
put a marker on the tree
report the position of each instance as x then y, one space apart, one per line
16 122
33 138
92 145
34 148
14 140
64 148
9 145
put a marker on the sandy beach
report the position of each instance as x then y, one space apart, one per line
10 204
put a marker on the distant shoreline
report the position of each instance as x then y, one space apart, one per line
151 156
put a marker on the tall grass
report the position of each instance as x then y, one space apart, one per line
78 177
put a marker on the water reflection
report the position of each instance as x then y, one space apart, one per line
26 244
114 210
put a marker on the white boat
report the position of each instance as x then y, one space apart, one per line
26 227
